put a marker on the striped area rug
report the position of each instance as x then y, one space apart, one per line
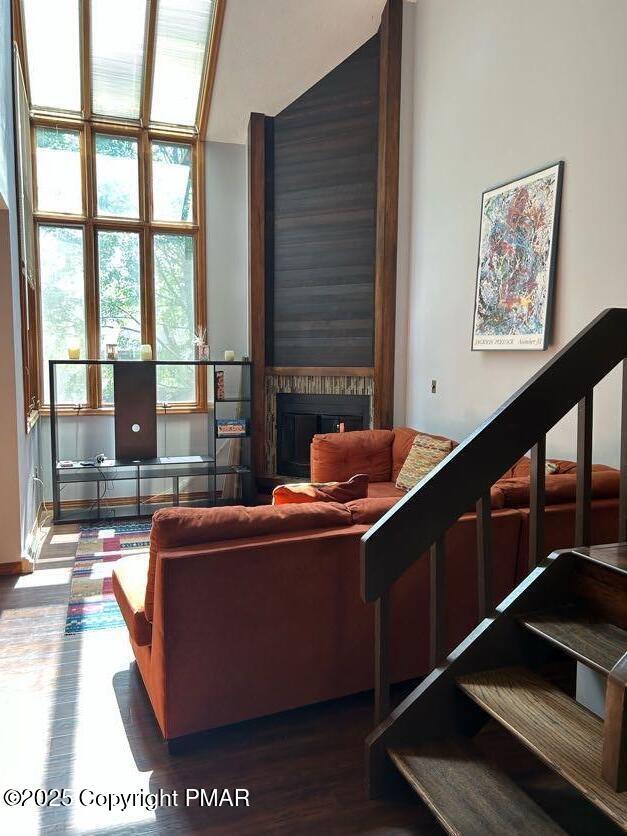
92 605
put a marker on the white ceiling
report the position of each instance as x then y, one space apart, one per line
271 51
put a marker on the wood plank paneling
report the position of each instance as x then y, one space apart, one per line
325 147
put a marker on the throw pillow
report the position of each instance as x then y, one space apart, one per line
426 452
355 488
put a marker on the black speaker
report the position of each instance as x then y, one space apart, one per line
135 394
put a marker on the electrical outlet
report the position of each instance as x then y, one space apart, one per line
434 387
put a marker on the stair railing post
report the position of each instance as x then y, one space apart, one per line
584 470
437 636
537 497
484 556
381 658
622 516
614 762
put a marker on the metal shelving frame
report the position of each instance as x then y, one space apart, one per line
163 467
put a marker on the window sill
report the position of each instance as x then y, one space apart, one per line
74 412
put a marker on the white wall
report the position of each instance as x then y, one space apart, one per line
501 88
18 451
227 247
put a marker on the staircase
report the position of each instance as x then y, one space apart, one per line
517 668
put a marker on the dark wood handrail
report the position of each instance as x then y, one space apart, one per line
422 517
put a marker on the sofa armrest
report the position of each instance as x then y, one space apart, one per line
338 456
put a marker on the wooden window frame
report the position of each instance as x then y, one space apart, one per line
145 132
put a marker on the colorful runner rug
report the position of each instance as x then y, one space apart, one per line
92 604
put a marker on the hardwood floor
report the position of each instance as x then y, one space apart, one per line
74 714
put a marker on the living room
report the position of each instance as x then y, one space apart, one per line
314 361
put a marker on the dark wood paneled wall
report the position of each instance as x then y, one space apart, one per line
324 224
325 153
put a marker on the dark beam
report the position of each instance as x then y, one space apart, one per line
390 36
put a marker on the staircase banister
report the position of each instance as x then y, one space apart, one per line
427 511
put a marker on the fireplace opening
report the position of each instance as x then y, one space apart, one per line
300 417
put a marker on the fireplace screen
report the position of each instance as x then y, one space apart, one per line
300 417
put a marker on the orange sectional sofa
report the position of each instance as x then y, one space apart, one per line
242 612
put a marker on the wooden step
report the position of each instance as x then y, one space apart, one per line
566 736
613 555
589 639
468 795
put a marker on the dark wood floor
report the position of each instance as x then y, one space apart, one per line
73 714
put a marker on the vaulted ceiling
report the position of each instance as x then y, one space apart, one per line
271 51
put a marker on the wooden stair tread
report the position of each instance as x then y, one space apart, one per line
613 555
467 794
594 642
566 736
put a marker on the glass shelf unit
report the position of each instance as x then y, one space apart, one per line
109 477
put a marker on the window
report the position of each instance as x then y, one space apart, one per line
62 259
116 92
119 293
174 300
183 28
58 170
53 49
117 55
172 191
117 176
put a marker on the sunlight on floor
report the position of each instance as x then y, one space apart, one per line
59 539
51 577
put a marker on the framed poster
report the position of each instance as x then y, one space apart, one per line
516 264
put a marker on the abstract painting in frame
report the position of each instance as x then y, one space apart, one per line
516 265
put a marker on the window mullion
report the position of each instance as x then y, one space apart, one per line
85 35
147 280
149 63
91 277
200 282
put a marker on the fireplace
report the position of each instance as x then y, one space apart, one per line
300 417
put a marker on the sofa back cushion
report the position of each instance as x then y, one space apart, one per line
338 456
176 527
561 488
403 439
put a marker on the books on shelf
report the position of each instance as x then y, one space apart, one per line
231 427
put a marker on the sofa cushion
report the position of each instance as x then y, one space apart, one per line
129 580
403 440
338 456
561 488
384 489
175 527
368 511
553 466
300 492
426 452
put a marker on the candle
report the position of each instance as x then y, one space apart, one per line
229 355
74 351
145 352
